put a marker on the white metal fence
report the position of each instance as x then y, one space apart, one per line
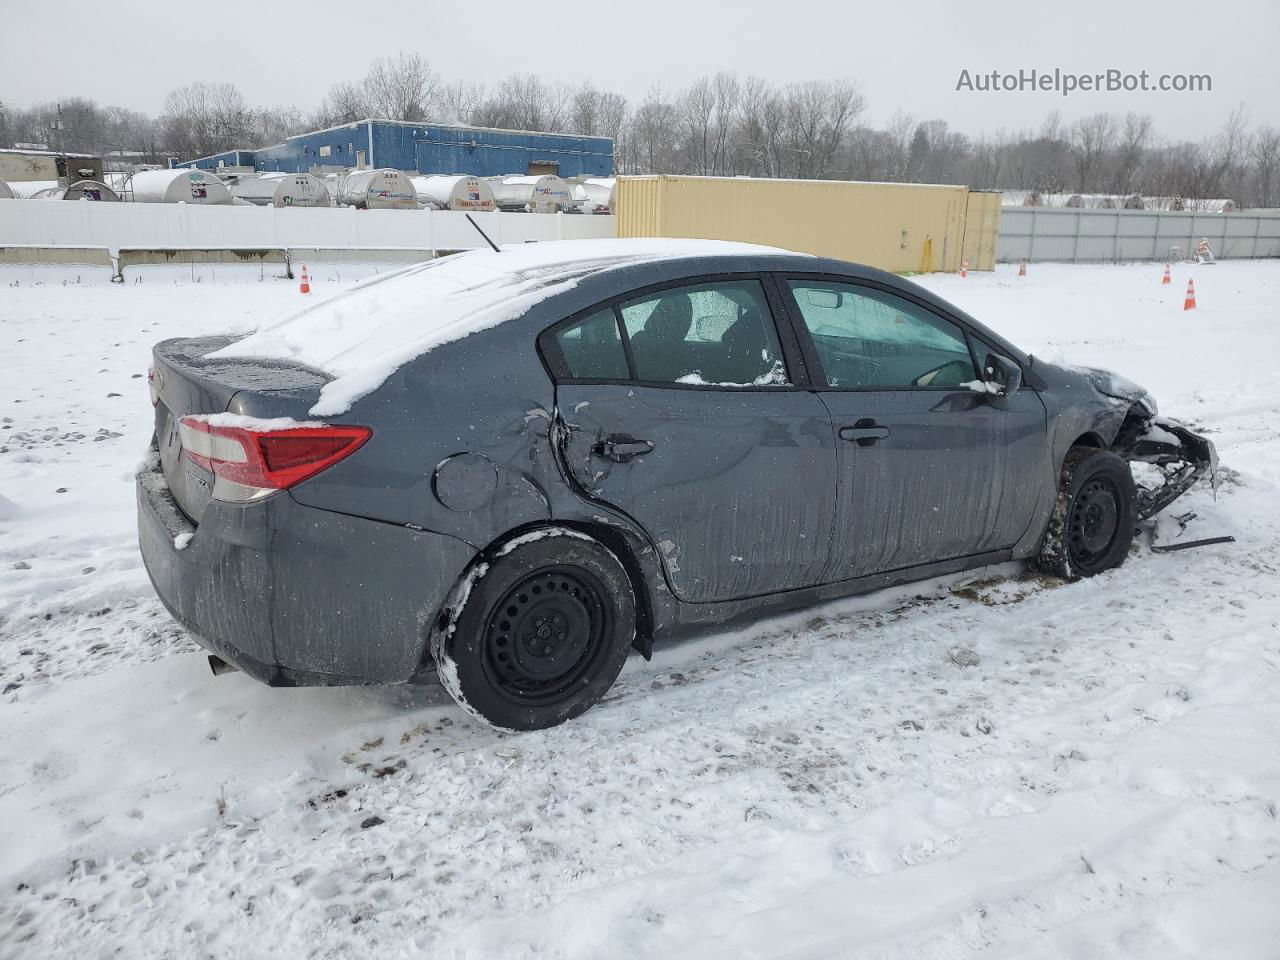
54 225
1092 236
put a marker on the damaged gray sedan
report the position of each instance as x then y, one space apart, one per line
510 468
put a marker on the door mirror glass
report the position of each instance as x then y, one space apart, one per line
827 299
1002 374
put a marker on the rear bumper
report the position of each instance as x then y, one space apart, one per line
294 595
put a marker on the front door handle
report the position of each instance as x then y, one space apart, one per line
864 432
621 449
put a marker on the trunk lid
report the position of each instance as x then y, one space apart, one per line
186 381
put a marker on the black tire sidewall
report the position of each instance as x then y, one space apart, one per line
464 646
1077 473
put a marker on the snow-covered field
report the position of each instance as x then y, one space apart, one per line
991 764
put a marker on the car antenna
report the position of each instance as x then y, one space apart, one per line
496 248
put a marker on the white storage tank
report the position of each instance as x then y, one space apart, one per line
5 192
33 189
454 193
57 190
384 189
596 194
177 186
533 194
281 190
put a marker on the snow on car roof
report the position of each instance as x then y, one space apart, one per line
364 335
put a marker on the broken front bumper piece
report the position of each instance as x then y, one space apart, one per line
1180 455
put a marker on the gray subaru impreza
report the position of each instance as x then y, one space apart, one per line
509 468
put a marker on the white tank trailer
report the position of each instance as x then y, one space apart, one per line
182 185
384 189
57 190
5 192
596 194
532 194
454 193
280 190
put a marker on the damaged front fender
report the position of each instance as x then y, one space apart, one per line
1180 458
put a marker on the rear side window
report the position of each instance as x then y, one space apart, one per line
870 339
718 333
592 349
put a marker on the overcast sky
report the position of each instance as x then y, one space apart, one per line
906 56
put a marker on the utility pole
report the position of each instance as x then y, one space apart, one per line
62 142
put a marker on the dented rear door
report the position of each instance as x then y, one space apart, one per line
736 487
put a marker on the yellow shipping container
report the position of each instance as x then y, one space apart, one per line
981 227
894 226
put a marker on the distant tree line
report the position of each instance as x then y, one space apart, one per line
719 125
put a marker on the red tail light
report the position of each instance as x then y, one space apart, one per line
153 386
253 460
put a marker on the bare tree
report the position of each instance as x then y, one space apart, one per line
1266 159
459 102
759 122
695 110
524 102
405 88
898 146
727 93
1228 153
345 103
203 119
817 119
274 124
651 147
1134 139
1091 140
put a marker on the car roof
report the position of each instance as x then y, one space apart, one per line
362 336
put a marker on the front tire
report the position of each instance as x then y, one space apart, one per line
543 633
1093 521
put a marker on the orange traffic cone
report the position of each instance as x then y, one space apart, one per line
964 268
1190 302
1167 279
1022 269
305 285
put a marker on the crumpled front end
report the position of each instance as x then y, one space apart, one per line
1178 456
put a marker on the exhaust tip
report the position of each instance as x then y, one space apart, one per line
220 666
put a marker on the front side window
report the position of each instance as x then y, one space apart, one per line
592 349
869 339
719 333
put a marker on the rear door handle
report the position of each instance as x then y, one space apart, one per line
621 449
864 432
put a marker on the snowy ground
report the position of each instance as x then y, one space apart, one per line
992 764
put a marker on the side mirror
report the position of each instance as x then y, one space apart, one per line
1001 373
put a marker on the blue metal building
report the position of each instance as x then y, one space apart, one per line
232 158
427 148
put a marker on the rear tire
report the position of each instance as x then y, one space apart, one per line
1093 520
542 635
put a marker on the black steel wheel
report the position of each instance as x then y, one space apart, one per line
542 634
1093 521
546 633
